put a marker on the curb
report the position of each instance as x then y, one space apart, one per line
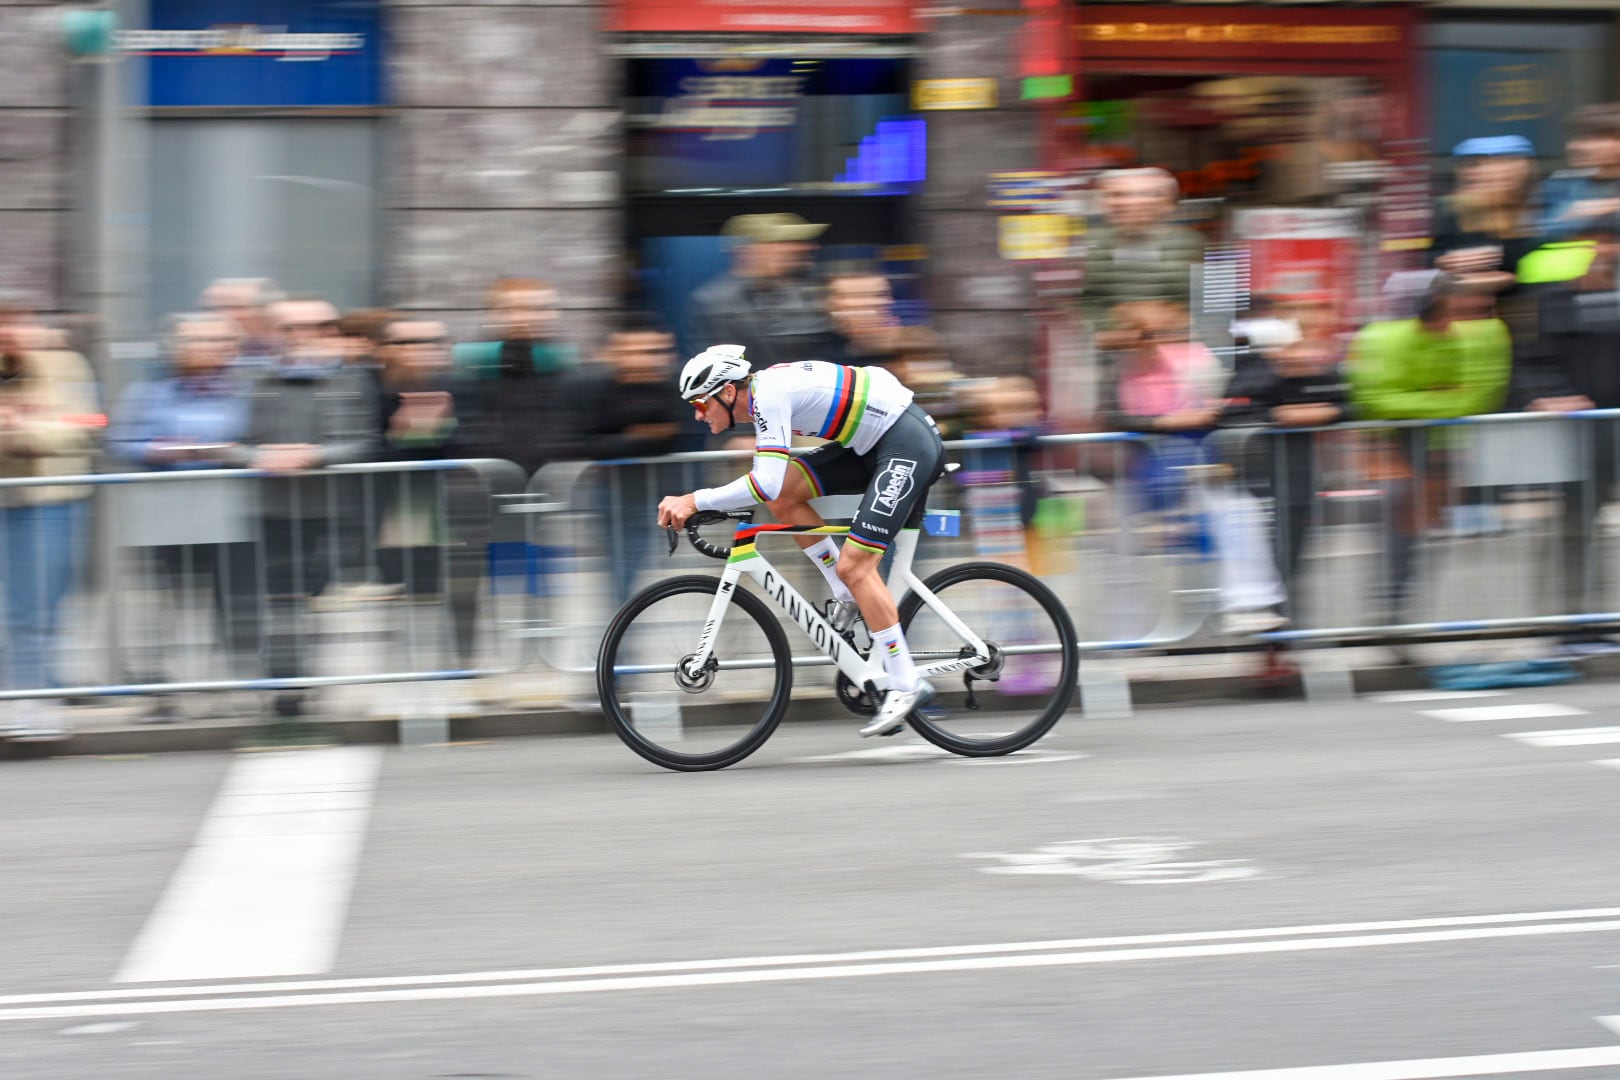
144 739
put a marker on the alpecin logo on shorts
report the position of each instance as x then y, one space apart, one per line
893 484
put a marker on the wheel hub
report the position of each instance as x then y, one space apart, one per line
692 679
990 670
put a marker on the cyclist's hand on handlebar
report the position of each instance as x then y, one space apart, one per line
673 510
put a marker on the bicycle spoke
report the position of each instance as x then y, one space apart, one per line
683 719
1017 693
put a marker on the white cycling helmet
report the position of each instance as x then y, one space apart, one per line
711 369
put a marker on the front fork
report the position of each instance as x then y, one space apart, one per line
696 667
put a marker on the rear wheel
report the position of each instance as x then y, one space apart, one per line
1030 678
686 720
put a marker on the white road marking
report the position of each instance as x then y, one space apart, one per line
921 751
1612 763
111 1027
1503 712
1586 1057
1610 1022
1126 860
265 886
771 969
1592 736
1441 922
1402 697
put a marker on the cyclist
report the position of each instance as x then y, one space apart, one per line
881 444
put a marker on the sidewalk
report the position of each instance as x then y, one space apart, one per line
530 703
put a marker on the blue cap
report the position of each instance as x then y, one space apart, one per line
1495 146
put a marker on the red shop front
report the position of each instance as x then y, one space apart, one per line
1295 132
1255 104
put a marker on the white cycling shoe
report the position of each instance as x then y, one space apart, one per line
897 705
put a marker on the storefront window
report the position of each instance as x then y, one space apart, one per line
1248 140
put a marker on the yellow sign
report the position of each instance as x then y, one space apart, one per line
935 94
1512 93
1240 33
1034 236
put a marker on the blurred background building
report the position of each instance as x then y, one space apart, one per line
405 152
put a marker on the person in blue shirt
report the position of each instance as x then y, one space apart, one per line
1587 193
194 416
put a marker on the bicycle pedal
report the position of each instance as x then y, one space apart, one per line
934 713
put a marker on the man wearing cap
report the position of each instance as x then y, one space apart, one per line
766 301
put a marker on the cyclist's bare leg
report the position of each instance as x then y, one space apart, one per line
858 567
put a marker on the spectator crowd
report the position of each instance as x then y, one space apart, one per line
1516 309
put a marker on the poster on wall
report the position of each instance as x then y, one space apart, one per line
1306 256
260 53
764 16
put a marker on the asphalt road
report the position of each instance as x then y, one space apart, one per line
1190 892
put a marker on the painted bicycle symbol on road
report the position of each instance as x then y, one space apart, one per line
1126 860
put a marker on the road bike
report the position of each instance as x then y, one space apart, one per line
695 672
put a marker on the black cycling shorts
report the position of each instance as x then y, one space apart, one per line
895 475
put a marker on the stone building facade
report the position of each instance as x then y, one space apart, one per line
503 140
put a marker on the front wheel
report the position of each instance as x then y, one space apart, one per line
1035 659
685 720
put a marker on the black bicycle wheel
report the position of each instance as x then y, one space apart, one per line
680 721
1028 684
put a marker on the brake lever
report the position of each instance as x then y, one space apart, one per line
674 539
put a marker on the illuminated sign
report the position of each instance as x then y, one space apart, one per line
1034 236
949 94
1240 33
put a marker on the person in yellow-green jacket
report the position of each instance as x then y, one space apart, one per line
1446 359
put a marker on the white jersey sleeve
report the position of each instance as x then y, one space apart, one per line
773 419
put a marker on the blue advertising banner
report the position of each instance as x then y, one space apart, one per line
1495 92
757 123
235 53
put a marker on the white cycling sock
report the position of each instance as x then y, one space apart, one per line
891 645
825 555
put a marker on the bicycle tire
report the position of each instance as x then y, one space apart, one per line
742 603
1064 683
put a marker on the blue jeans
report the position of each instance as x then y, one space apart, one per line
39 550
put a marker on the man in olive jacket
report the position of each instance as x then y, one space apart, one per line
1137 254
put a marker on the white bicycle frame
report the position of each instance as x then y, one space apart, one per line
834 648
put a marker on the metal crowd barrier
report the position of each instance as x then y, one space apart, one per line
156 583
1478 526
1371 531
1127 580
225 580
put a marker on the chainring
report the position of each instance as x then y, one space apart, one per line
856 700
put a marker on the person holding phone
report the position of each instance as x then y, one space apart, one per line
1489 222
